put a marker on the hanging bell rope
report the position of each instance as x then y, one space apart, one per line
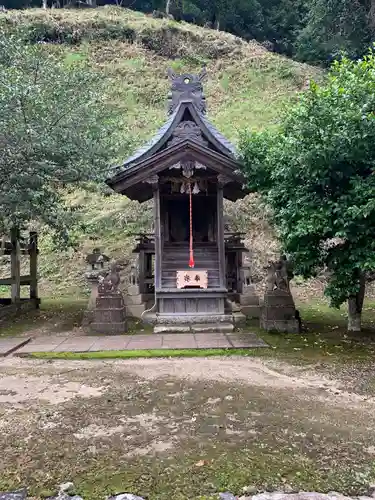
191 250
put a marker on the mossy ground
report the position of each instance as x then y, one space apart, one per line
160 434
160 430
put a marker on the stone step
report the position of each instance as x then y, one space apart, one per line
195 328
193 319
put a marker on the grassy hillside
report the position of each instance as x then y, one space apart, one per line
247 87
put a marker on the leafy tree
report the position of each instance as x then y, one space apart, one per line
55 132
317 173
333 26
283 20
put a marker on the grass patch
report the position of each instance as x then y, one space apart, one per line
54 315
324 337
153 353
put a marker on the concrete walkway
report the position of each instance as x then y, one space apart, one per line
130 342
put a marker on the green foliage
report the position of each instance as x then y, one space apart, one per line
317 175
333 26
315 31
55 131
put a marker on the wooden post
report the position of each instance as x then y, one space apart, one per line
220 235
141 271
15 266
154 181
33 252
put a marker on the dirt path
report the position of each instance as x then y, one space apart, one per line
181 428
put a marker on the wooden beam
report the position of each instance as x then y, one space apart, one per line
15 266
184 150
33 248
24 280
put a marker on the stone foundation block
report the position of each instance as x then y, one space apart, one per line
279 312
109 328
239 319
134 300
249 300
133 290
135 311
109 302
282 326
251 311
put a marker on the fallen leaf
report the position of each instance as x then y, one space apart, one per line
201 463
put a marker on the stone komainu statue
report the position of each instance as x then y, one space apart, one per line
110 283
279 275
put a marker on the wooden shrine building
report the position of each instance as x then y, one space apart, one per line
190 264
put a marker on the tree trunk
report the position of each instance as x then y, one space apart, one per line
167 7
371 15
355 305
45 4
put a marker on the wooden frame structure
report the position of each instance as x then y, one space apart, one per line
15 247
188 168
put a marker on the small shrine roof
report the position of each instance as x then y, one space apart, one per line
186 93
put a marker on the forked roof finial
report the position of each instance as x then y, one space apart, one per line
187 87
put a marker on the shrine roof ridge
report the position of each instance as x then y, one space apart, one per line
186 93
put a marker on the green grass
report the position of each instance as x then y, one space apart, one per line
154 353
247 87
54 315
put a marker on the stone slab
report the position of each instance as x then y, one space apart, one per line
112 343
35 348
186 343
249 340
80 345
151 343
213 328
172 329
7 346
205 342
140 342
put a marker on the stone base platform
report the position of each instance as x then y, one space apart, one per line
216 340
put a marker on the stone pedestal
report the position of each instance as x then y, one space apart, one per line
109 314
135 302
88 316
250 303
279 312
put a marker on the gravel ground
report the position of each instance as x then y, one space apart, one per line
183 428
